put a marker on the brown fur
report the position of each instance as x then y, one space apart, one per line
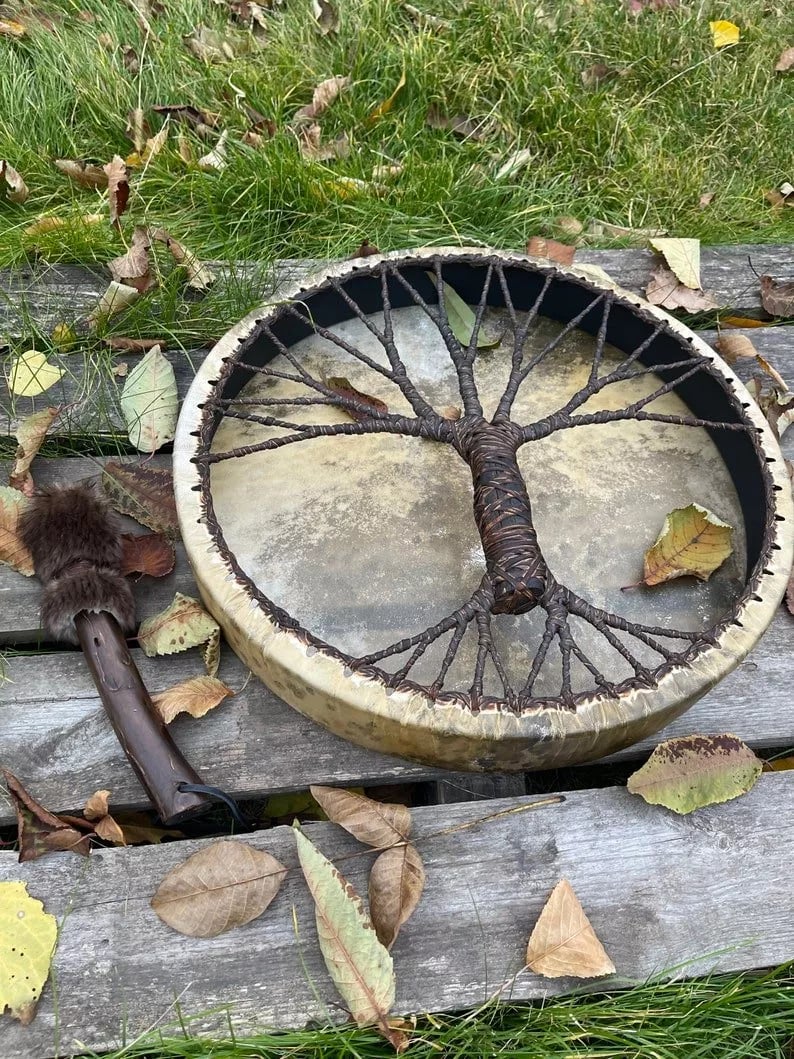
75 540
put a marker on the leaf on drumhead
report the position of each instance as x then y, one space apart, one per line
222 886
551 250
693 541
196 696
396 882
182 625
360 966
144 493
16 188
777 296
147 553
31 374
40 831
379 824
13 552
149 402
563 943
29 935
30 434
696 770
461 319
344 388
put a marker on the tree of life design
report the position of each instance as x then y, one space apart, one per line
516 578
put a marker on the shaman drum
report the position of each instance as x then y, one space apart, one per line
415 520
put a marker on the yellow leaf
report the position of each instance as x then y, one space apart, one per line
683 257
563 943
196 697
724 33
182 625
384 107
693 541
32 374
27 942
9 27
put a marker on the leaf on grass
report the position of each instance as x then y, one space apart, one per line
311 146
183 624
600 74
200 120
30 434
214 161
387 172
117 298
63 337
13 552
735 347
28 936
421 18
222 886
460 125
149 402
367 249
785 62
693 542
551 250
209 46
199 277
632 236
133 269
360 966
31 374
396 882
47 224
147 553
782 196
383 108
665 291
378 824
326 17
515 163
696 770
196 696
118 187
563 943
39 830
569 226
461 319
343 387
144 493
211 653
724 33
682 257
16 188
706 199
9 27
149 148
777 296
323 96
350 187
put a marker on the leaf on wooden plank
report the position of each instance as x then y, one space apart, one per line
396 882
196 696
461 319
30 434
144 493
97 811
28 936
367 249
32 374
777 296
110 831
147 553
378 824
183 624
118 187
682 257
735 347
551 250
199 277
665 291
16 188
323 96
200 120
696 770
86 174
785 62
137 829
724 33
214 161
339 384
563 943
133 269
693 542
360 966
117 298
97 805
459 124
13 552
149 402
383 108
223 886
326 17
133 345
39 830
777 403
10 27
211 653
632 236
742 321
64 338
780 764
516 162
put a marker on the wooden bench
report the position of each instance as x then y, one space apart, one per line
703 892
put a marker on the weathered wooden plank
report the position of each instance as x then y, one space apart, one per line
469 786
705 892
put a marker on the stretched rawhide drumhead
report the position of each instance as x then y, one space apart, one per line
418 531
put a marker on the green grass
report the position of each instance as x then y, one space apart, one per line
725 1017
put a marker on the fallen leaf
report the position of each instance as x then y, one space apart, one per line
360 966
634 236
682 257
118 187
13 552
693 542
63 337
9 27
323 96
396 882
39 830
460 125
777 402
386 172
514 163
773 373
110 831
209 46
183 624
378 824
785 62
117 298
133 268
551 250
201 120
196 696
724 33
121 369
461 320
130 59
147 553
30 434
199 277
47 224
563 943
250 14
150 148
782 196
185 150
97 805
569 226
86 174
211 653
735 347
149 402
599 74
29 935
777 296
367 249
31 374
344 388
706 199
348 187
665 291
214 161
97 811
383 108
326 17
742 321
133 345
309 141
144 493
421 18
222 886
696 770
285 807
16 188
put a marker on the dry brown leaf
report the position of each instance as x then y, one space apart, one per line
693 542
777 403
12 551
16 188
326 17
39 830
563 943
97 805
200 120
86 174
734 347
47 224
147 553
222 886
777 296
110 831
343 387
383 108
379 824
785 62
118 187
196 696
211 653
133 268
396 882
632 236
599 74
550 249
144 493
199 277
781 196
665 291
367 249
130 59
133 345
706 199
150 149
214 161
460 125
209 46
742 321
569 226
421 18
30 434
311 147
137 128
323 96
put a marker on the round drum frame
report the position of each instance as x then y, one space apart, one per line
385 711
